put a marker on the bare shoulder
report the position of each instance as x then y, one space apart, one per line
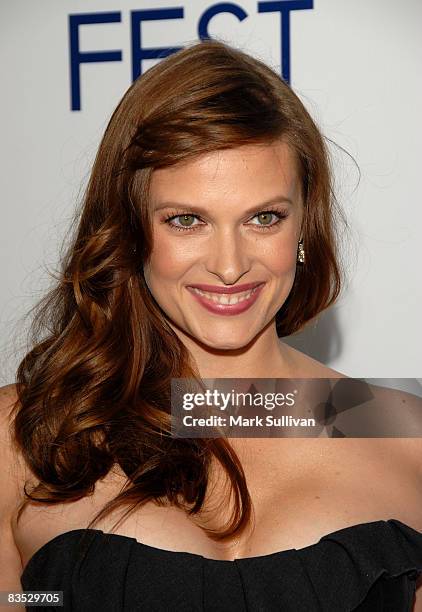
12 474
307 367
408 408
8 400
407 451
8 397
13 466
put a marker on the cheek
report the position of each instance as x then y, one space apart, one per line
280 257
169 259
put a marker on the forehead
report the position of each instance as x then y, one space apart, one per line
252 171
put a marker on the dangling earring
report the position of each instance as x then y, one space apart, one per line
300 252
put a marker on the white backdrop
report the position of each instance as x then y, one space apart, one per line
356 66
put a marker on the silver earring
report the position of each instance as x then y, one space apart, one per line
300 253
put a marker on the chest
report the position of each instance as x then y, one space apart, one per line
300 491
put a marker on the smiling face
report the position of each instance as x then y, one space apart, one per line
226 219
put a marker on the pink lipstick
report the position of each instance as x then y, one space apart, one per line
226 300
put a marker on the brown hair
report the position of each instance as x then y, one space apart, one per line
94 391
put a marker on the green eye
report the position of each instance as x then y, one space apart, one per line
186 220
265 217
264 220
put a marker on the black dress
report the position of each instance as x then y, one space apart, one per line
369 567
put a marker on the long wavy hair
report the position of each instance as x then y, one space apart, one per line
94 390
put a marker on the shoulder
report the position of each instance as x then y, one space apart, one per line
10 458
407 450
8 397
406 409
305 366
8 400
12 475
16 472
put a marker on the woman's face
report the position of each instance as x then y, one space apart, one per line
228 218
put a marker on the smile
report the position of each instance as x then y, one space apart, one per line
224 303
219 298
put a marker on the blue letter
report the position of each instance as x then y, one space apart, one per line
77 58
284 7
223 7
138 54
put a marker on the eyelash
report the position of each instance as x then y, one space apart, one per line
281 215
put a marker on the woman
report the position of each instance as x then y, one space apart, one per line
211 181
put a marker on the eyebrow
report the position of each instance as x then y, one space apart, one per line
198 209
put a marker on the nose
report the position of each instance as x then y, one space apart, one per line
228 256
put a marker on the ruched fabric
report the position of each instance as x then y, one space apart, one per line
370 567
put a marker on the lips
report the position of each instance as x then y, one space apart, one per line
225 302
228 290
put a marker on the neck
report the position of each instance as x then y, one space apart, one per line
266 356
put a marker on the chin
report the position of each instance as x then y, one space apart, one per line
225 344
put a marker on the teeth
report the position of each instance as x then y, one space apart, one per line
221 298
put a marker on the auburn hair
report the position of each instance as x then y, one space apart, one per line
94 388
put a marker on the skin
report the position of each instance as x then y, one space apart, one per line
227 247
301 488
